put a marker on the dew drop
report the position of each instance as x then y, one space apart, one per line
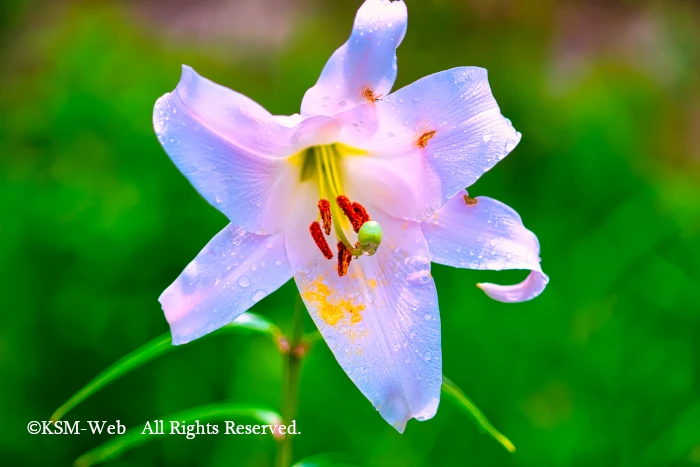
244 281
258 295
427 317
487 137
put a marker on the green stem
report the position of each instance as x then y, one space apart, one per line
290 383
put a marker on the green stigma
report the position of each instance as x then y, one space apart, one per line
370 237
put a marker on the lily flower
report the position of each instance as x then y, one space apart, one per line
354 198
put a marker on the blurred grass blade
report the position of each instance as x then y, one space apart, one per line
151 350
135 359
456 394
134 437
328 459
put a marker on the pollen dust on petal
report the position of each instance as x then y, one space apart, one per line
331 308
424 138
368 95
470 201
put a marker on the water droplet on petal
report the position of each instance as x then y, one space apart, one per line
258 295
244 281
427 317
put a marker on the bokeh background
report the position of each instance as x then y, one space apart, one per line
603 369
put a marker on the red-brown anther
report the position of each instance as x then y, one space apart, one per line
344 258
320 240
361 213
349 211
324 208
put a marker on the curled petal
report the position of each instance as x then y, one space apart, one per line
380 320
527 290
233 272
482 233
364 68
434 137
231 149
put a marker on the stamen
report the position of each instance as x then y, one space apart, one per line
361 213
470 201
344 258
321 243
349 211
424 138
325 208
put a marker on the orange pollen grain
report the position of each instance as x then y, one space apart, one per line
324 208
424 138
344 258
321 243
470 201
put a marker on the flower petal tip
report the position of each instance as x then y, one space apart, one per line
528 289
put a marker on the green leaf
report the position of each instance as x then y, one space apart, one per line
134 437
155 348
328 459
457 395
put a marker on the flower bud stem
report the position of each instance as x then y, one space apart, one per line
290 383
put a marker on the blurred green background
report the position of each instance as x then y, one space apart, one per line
603 369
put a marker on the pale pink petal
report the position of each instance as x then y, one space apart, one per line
434 138
381 321
366 63
231 149
235 270
483 233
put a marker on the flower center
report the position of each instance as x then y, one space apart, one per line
336 210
